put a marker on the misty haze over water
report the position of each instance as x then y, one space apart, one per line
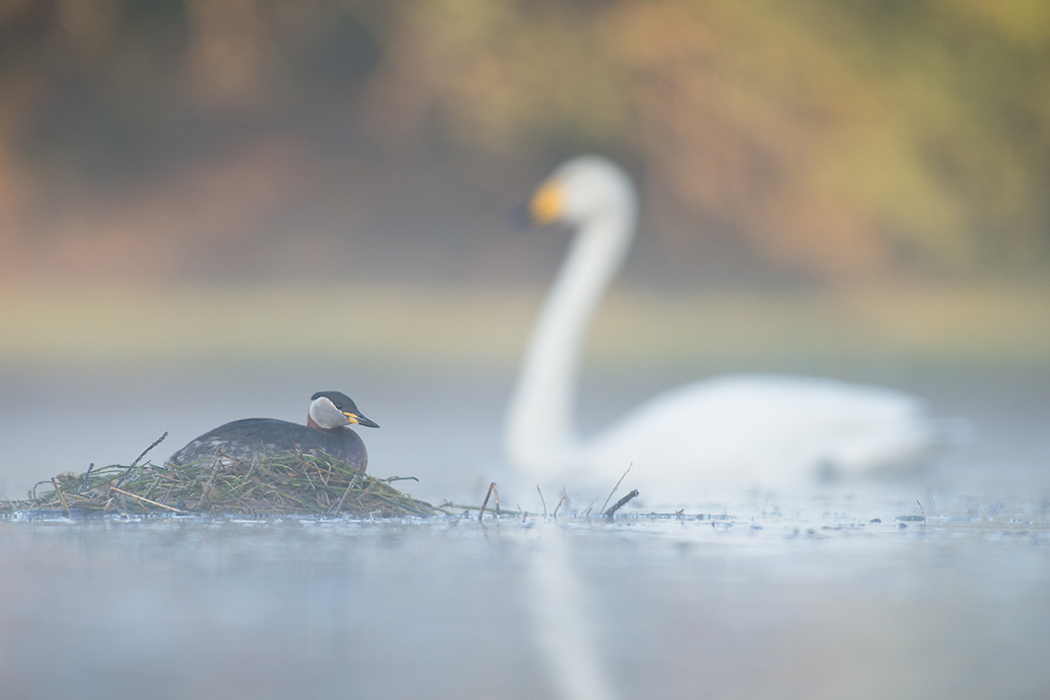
211 209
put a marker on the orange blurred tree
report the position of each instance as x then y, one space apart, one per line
841 137
845 138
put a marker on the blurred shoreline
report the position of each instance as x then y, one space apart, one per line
483 328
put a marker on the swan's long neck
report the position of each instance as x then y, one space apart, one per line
540 426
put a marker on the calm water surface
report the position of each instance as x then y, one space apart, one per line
819 603
841 590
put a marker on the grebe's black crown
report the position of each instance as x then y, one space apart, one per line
342 401
345 405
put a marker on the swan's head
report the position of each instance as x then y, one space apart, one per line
334 409
584 189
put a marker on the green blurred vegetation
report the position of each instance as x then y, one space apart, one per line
84 332
847 139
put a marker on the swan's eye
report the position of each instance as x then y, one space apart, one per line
548 203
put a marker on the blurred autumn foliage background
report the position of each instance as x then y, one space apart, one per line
210 209
829 140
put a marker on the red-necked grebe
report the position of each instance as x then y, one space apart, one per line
327 430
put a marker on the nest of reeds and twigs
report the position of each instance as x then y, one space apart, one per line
284 484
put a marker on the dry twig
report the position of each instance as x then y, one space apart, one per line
617 486
146 500
492 490
620 504
65 504
133 464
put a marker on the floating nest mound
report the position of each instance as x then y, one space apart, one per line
285 484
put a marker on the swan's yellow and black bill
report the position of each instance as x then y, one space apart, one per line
547 205
358 419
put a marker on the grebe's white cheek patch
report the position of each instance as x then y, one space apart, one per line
326 415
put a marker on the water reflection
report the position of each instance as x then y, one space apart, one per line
814 604
562 626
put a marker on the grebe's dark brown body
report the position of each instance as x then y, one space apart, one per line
328 431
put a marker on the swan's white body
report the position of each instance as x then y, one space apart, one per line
743 431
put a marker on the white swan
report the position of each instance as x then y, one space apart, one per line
746 431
